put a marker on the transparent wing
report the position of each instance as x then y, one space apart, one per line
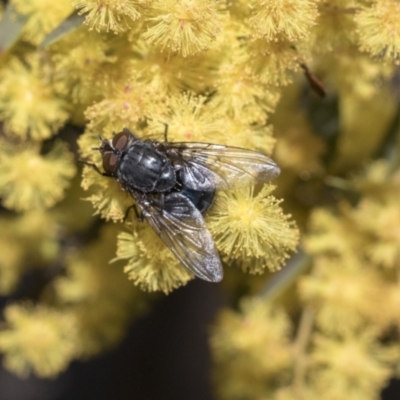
212 166
181 227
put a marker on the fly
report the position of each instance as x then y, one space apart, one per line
174 183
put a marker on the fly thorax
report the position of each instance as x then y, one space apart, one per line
146 169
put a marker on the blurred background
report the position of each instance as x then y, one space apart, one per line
93 304
164 355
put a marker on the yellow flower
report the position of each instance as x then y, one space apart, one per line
173 73
240 134
240 93
28 241
335 27
349 63
377 179
44 16
187 26
97 294
347 293
107 197
273 61
80 61
246 226
37 339
189 119
354 363
334 235
30 180
110 15
291 19
383 230
151 265
89 275
29 103
378 29
251 349
126 105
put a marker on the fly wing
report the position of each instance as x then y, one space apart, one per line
212 166
182 228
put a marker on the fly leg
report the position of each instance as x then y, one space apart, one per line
166 133
139 215
162 199
96 168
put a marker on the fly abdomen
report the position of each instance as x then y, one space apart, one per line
201 199
146 169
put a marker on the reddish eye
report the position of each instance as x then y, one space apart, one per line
110 161
120 140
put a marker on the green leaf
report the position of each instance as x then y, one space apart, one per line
73 22
11 26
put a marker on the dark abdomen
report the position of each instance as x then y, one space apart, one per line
201 199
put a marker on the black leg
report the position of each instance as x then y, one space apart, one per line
139 216
95 167
161 202
166 133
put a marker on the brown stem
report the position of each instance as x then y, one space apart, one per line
300 345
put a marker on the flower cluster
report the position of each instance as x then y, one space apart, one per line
255 339
238 73
91 308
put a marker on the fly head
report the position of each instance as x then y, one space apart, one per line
113 150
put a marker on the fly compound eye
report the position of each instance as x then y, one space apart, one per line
120 140
110 161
